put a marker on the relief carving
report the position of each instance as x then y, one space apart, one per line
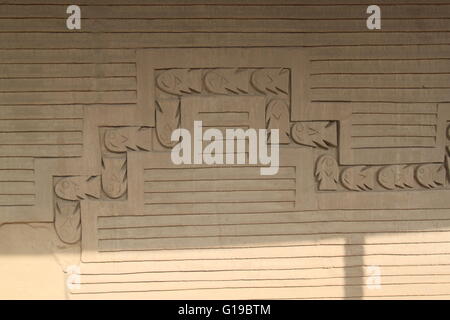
78 187
271 83
327 173
431 175
167 120
114 177
392 177
133 138
315 133
358 178
223 97
396 176
274 84
277 117
69 191
226 81
275 81
373 178
180 81
68 220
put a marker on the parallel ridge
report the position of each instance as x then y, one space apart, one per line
317 257
41 108
394 126
390 79
196 190
127 26
393 98
27 132
204 187
16 182
412 29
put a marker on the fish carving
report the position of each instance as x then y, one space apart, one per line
275 81
78 187
167 120
327 173
225 81
122 139
400 176
68 221
180 81
315 133
277 117
431 175
358 178
114 180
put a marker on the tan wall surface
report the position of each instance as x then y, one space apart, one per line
86 181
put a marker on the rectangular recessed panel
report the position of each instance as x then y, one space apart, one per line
393 133
393 128
190 191
224 112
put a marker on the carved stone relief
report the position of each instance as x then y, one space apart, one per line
68 193
114 177
332 157
174 84
395 177
258 95
117 141
111 184
318 133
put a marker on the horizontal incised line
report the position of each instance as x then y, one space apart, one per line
301 257
68 91
269 235
249 287
373 73
394 124
246 270
214 179
378 59
218 202
34 118
41 144
392 136
376 101
381 88
250 247
265 223
393 147
223 112
257 279
216 167
212 191
395 113
16 205
234 213
39 131
190 214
